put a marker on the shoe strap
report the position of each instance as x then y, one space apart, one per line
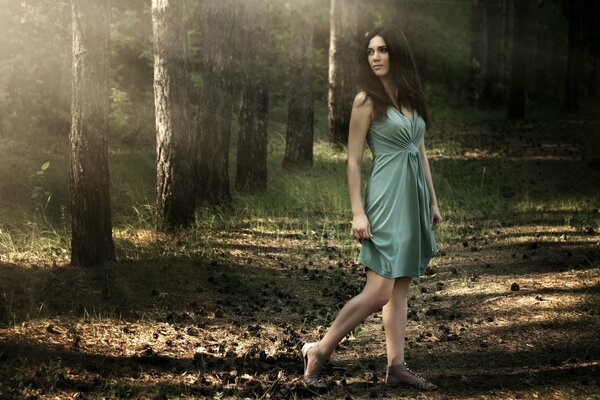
315 379
318 355
421 382
398 367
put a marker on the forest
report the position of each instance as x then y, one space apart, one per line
175 219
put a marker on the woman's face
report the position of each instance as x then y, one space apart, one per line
378 56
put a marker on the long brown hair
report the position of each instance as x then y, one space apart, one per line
402 70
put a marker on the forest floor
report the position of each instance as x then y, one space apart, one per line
509 310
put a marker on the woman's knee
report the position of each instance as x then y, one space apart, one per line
381 301
378 289
379 298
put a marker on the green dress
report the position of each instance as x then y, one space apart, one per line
397 199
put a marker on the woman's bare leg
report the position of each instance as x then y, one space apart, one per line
394 320
376 294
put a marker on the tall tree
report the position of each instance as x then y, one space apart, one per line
216 23
91 240
477 50
299 140
343 44
519 61
492 84
174 141
251 169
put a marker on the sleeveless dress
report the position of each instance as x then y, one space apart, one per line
397 199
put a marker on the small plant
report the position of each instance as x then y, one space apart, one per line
41 196
53 373
145 215
218 396
356 331
6 242
163 302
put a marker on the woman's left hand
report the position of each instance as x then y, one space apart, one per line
435 217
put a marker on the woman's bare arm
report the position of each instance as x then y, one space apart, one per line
360 120
436 217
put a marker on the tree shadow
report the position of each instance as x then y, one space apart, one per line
254 373
172 289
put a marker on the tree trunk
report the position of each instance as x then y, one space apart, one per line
91 240
216 26
492 85
251 170
571 99
343 44
519 61
299 141
477 51
174 140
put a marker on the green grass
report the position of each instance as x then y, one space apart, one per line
312 202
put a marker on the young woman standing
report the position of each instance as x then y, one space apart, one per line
400 209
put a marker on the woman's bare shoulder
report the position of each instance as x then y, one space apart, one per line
362 99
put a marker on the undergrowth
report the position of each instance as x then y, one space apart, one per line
312 203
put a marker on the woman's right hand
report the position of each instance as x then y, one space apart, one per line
361 229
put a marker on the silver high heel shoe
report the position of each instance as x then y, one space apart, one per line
314 380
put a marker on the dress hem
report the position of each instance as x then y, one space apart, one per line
390 276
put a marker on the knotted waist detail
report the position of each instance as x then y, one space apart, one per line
414 150
411 149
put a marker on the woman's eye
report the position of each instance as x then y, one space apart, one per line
383 49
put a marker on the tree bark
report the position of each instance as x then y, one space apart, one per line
251 172
492 85
343 44
477 51
174 141
519 61
91 240
300 131
216 26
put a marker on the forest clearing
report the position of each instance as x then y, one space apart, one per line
183 187
510 309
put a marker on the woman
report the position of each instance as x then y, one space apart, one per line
400 210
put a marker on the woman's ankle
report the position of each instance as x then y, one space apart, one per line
396 360
324 348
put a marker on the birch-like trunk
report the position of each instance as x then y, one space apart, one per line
175 203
